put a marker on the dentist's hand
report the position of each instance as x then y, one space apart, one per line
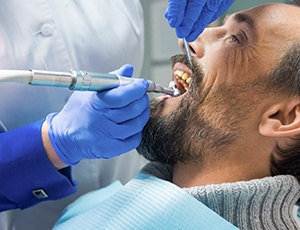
190 17
100 124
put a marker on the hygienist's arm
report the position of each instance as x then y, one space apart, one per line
103 124
34 158
27 175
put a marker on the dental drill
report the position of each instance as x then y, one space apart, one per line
78 80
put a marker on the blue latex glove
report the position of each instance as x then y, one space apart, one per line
190 17
100 124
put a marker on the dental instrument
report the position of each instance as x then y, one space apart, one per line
77 80
187 52
173 86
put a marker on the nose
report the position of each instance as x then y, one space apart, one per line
208 36
195 48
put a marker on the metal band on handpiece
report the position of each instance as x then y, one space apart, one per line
94 81
50 78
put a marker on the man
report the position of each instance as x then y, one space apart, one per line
238 120
231 140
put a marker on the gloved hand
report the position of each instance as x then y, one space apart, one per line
100 124
190 17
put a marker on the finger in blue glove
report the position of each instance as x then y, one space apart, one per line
190 17
193 11
125 70
100 124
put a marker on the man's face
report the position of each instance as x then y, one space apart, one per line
227 92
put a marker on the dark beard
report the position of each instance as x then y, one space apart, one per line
203 121
182 135
161 136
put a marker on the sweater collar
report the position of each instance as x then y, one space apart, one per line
255 204
265 203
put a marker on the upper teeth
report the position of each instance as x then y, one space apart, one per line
183 77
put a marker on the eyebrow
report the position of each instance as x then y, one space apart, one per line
244 18
240 18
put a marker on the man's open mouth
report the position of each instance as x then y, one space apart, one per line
182 76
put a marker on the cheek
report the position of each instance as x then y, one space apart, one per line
228 64
219 59
216 68
236 65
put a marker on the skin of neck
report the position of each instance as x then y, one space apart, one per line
247 159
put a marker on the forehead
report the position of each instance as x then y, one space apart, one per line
278 20
269 29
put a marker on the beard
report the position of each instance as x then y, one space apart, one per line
205 123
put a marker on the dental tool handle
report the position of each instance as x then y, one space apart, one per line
187 52
101 82
89 81
77 80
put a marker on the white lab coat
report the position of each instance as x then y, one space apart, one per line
58 35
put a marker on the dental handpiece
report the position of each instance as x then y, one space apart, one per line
78 80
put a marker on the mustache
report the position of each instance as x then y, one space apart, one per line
179 58
182 58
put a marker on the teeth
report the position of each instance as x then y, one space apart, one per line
185 85
183 77
179 73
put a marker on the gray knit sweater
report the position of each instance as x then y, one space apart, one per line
257 204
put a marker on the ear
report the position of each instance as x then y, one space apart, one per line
281 120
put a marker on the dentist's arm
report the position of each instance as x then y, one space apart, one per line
27 175
190 17
33 158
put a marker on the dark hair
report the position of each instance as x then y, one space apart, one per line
285 79
296 2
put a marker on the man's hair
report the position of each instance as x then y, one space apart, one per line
285 79
296 2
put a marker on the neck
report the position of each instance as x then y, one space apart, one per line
188 176
232 166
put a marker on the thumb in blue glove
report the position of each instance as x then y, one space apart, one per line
100 124
190 17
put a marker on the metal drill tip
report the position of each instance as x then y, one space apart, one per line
176 93
172 85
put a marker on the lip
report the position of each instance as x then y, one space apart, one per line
182 67
169 104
